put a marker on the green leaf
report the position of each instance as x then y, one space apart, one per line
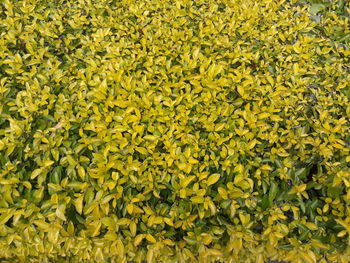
316 8
272 192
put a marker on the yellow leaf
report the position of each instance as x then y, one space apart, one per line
196 52
130 208
251 144
223 193
60 213
240 90
342 233
42 224
35 173
5 217
52 235
263 115
191 160
301 187
214 252
70 228
71 160
213 179
168 221
183 193
186 181
79 204
138 239
48 163
124 221
266 167
150 238
27 184
121 103
168 242
142 150
309 258
132 227
220 126
149 255
55 154
197 199
10 149
270 80
296 68
150 137
81 171
120 247
311 226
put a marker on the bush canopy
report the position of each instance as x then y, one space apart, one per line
174 131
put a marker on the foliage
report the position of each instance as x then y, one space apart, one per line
174 131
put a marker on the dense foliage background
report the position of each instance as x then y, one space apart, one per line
174 131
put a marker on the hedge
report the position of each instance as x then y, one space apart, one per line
174 131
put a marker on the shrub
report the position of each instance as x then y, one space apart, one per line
174 131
